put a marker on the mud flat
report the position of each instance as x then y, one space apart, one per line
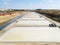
9 24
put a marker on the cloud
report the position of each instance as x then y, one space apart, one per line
5 2
31 4
50 1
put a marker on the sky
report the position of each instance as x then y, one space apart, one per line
30 4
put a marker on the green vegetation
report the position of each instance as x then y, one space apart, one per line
53 14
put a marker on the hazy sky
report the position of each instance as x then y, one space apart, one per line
30 4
